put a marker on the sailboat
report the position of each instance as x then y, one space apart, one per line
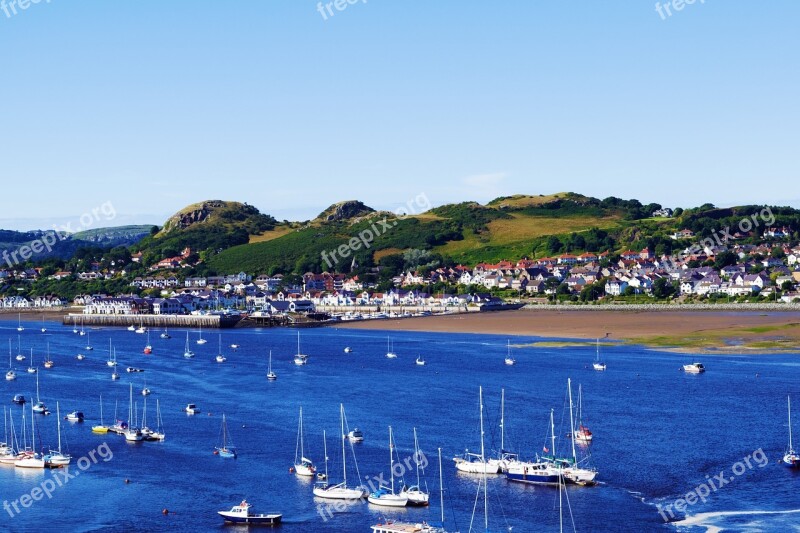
187 353
31 368
112 360
74 326
340 491
88 343
48 363
220 358
102 428
390 353
132 434
582 434
158 434
44 328
504 458
140 329
509 360
10 375
272 376
300 358
538 472
598 365
302 465
148 348
114 373
227 451
791 458
165 334
474 463
39 406
572 471
416 496
420 361
20 357
385 496
57 459
82 331
146 391
19 322
31 459
424 527
201 340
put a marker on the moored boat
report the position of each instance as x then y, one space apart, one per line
694 368
791 458
241 514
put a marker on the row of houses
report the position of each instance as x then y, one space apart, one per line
38 302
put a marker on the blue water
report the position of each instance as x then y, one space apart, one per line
659 433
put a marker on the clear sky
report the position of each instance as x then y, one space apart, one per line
155 105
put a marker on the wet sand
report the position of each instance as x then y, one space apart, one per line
688 331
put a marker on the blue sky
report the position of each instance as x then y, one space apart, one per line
155 105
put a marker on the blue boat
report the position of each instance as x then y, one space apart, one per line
225 451
240 514
538 473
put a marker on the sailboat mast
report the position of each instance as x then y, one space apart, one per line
789 400
483 457
344 454
325 450
58 425
391 459
502 421
302 448
441 486
552 434
416 454
571 422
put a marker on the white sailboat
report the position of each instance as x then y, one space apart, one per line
415 494
420 361
165 334
89 347
39 406
74 326
791 458
31 368
57 458
112 360
201 340
582 434
187 353
385 496
82 332
10 375
272 376
300 358
390 353
509 359
504 458
220 358
303 466
31 459
340 491
19 322
44 328
598 365
473 463
132 434
157 434
48 363
423 527
20 357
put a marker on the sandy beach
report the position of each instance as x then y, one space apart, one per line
685 331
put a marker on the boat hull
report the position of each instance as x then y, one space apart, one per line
533 473
339 493
476 467
269 519
388 500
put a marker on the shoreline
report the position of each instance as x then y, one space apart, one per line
683 331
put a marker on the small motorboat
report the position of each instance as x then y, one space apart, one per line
19 399
234 346
11 375
221 358
115 375
20 357
133 370
146 392
191 409
694 368
40 408
131 328
348 350
80 357
356 435
74 416
49 364
240 514
165 335
147 350
141 330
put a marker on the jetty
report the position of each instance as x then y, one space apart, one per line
152 321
